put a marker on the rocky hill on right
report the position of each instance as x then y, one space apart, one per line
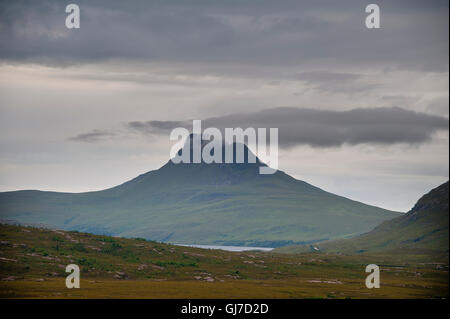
422 230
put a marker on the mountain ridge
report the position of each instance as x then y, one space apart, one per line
423 229
226 204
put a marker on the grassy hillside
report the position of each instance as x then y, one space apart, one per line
225 204
33 261
424 229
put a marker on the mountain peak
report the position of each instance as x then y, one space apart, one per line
201 203
200 150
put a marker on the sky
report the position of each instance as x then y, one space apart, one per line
362 113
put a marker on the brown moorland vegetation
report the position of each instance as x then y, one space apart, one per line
33 261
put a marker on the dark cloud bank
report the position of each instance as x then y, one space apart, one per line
318 128
414 34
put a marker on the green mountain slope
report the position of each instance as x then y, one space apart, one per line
229 204
424 229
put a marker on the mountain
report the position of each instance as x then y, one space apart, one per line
227 204
424 229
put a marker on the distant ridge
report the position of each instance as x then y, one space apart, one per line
424 229
215 204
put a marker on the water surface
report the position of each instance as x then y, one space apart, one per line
228 248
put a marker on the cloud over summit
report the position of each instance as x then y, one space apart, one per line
317 128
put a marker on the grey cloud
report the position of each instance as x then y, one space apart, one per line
155 127
337 82
93 136
414 34
323 128
439 106
327 77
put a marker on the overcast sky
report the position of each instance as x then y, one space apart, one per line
361 113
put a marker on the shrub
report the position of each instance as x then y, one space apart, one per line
79 247
58 239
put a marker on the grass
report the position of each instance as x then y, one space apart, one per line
33 261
